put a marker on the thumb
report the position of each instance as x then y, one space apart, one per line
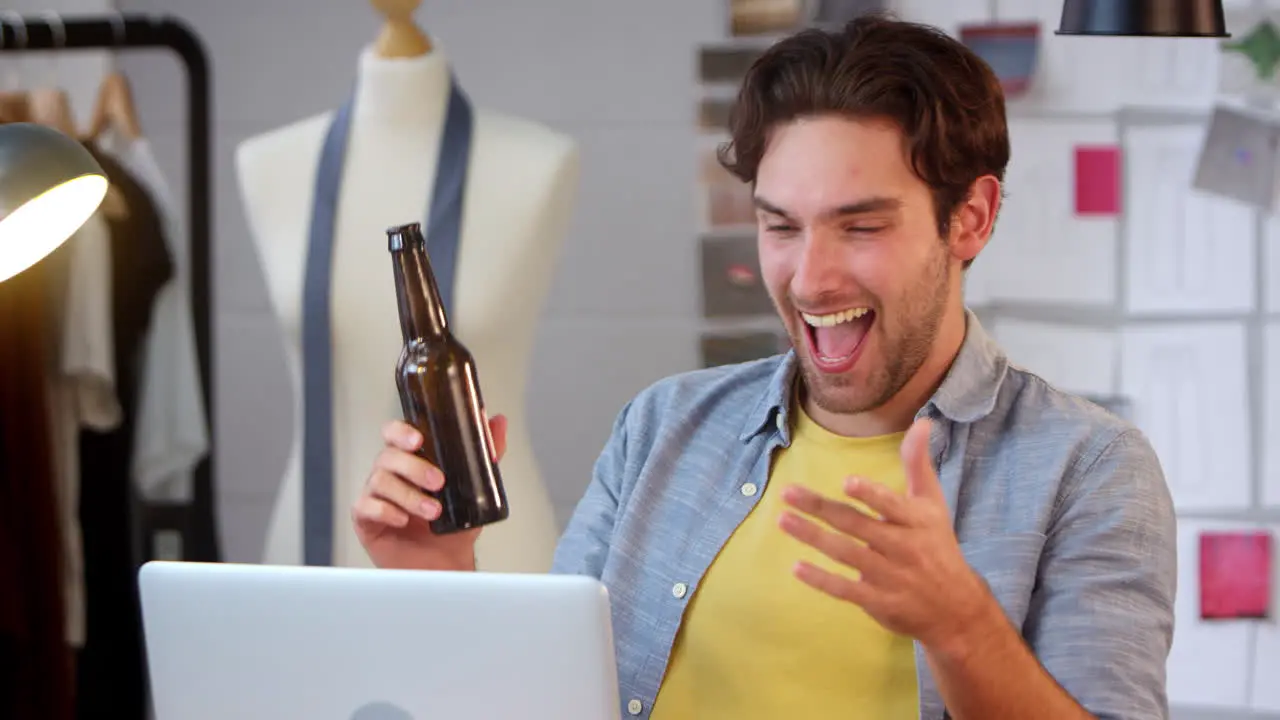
498 433
922 479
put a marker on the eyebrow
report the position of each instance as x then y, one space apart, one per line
861 207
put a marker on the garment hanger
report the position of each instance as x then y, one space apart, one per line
15 104
51 105
400 36
114 107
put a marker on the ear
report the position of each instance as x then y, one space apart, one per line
975 219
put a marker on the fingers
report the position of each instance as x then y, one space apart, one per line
922 478
410 467
841 516
498 430
837 586
402 435
889 505
398 486
390 488
399 482
841 548
376 511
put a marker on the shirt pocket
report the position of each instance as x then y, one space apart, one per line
1009 563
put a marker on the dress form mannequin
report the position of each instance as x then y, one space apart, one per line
520 188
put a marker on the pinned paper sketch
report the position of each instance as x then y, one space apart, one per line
1011 49
1271 267
1190 392
726 200
731 285
1247 66
1270 397
1238 157
729 206
1235 575
1260 46
725 65
1266 648
1186 251
1251 58
732 348
1075 358
839 12
1097 180
764 17
1043 250
713 114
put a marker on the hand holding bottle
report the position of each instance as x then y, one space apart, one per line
392 516
439 391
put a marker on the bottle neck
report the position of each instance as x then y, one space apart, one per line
422 314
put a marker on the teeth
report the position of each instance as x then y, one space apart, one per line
836 318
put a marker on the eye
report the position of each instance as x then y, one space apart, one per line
776 224
865 229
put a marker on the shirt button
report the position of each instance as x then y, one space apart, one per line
679 589
749 489
781 422
634 706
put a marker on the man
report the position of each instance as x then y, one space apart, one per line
890 519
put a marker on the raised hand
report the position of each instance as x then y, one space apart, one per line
912 577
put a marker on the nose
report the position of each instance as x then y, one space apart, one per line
820 271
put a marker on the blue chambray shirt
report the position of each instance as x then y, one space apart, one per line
1060 506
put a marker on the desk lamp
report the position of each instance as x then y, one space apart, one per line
49 186
1143 18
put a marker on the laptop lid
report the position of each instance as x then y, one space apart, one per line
256 641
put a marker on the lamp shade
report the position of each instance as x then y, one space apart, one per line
50 185
1143 18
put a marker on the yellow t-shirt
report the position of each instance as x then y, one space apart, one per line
756 642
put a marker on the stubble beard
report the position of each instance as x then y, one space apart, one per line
923 308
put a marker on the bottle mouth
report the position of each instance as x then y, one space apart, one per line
400 237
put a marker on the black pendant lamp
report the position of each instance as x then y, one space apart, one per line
1143 18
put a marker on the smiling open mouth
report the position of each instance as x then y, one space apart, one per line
836 339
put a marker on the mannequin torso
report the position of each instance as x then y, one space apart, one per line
520 188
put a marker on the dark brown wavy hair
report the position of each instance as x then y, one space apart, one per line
945 99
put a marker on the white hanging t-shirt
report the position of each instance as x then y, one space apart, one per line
172 434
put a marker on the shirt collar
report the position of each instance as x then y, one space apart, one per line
967 393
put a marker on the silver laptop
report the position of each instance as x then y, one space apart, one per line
317 643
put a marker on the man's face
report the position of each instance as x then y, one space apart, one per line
850 253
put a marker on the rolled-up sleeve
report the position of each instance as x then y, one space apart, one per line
1101 620
584 546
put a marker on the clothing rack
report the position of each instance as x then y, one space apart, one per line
126 31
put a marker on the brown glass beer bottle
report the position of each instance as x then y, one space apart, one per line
440 393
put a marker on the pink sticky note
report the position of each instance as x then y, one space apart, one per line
1235 575
1097 180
